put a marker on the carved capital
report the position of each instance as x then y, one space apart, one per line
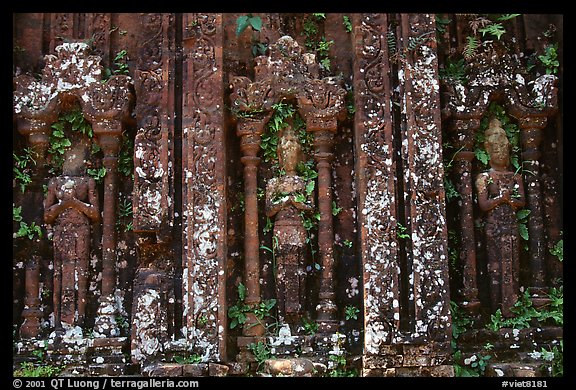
321 103
110 101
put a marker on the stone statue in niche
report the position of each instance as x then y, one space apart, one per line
71 206
286 199
500 195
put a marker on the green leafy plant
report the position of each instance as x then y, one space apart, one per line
238 312
558 250
347 23
556 356
22 168
120 62
401 231
25 229
335 209
319 45
261 351
122 322
310 326
97 174
494 29
255 23
28 369
188 359
442 24
125 157
351 312
550 59
245 21
454 72
338 364
522 218
525 314
347 243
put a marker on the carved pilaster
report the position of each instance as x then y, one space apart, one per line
531 137
427 247
376 188
463 132
204 187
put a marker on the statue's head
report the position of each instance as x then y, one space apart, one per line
496 144
76 156
289 150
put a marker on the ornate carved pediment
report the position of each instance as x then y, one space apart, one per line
72 73
495 74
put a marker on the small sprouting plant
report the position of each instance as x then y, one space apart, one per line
351 312
522 218
238 312
261 351
125 157
558 250
401 231
25 230
120 62
125 208
188 359
97 173
550 59
22 168
335 209
310 326
347 23
28 369
454 72
347 243
122 322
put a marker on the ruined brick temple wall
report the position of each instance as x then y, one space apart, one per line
146 150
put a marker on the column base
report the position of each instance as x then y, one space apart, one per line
105 325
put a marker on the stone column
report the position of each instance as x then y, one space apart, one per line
321 104
250 133
463 137
34 123
32 313
531 136
109 135
326 309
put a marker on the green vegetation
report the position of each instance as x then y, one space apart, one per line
28 369
238 312
25 229
22 168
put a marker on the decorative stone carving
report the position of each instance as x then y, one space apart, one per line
495 75
70 76
71 205
288 73
500 195
285 200
204 188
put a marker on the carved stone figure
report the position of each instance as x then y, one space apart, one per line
71 205
500 195
286 198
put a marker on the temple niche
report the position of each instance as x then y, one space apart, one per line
278 194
